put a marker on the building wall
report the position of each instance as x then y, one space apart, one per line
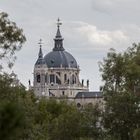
58 81
80 102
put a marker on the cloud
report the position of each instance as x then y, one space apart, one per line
109 4
101 37
123 9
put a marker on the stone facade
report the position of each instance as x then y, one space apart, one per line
57 82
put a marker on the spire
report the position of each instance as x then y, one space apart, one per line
58 46
58 34
40 59
40 54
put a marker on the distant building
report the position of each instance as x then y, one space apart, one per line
57 75
89 98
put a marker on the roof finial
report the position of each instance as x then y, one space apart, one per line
40 43
58 23
40 55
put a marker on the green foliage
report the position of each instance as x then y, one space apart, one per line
11 120
65 123
91 127
121 116
11 39
30 118
136 134
12 109
121 74
121 71
113 70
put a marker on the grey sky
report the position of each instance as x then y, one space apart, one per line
90 28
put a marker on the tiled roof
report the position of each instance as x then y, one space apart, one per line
96 94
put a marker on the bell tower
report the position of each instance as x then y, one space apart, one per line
39 73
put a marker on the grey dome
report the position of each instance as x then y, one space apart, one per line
57 59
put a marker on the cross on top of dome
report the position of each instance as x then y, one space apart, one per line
58 23
40 43
58 34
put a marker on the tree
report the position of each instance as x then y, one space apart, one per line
121 116
121 71
63 120
17 111
11 39
11 120
91 122
11 112
121 74
113 70
137 134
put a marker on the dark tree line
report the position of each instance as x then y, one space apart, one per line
24 116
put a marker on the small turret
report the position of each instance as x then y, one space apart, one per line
40 54
58 46
40 59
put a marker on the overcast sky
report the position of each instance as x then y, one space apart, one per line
90 28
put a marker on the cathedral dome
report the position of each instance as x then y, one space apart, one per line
60 59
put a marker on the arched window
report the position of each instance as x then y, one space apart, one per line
38 78
63 93
65 77
73 79
52 78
